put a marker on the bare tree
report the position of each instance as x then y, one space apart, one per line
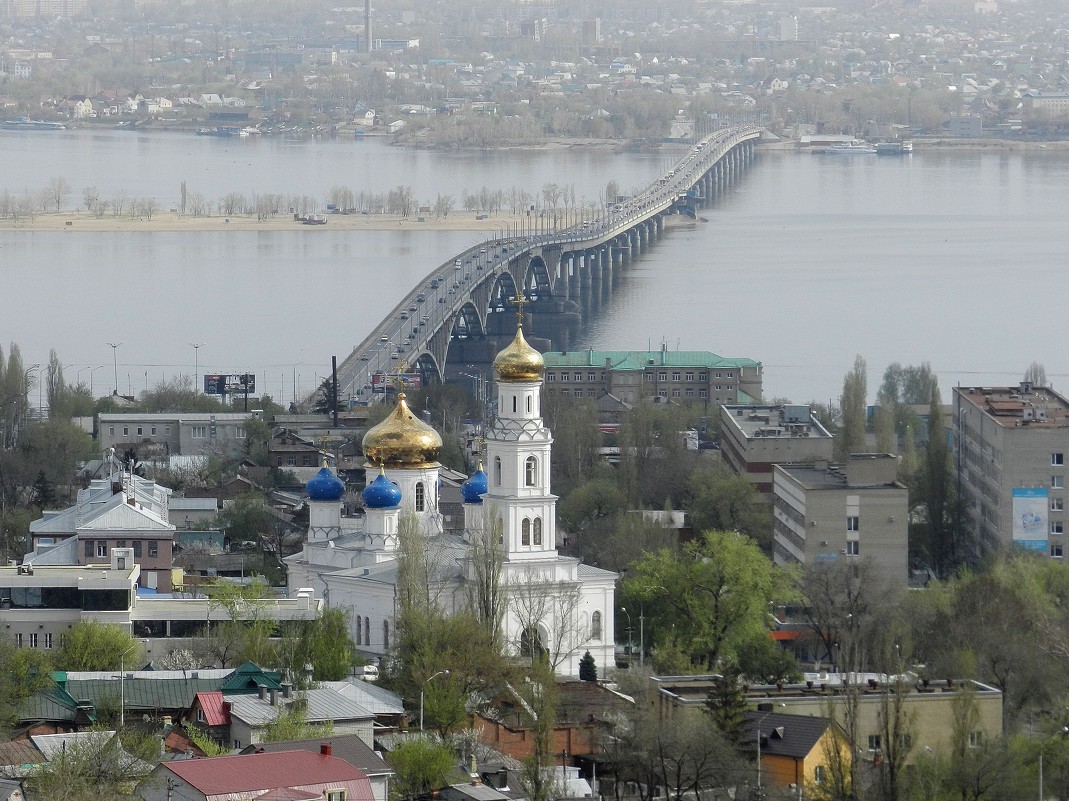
58 189
541 604
487 593
1036 374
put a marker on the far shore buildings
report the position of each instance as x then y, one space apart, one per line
1012 449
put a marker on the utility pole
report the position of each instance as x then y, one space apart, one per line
115 363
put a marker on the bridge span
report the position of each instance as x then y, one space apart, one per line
454 319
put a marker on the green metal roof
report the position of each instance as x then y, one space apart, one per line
623 360
50 703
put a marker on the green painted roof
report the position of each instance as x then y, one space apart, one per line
142 694
49 703
641 359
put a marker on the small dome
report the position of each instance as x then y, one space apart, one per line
402 440
382 493
519 361
475 487
325 486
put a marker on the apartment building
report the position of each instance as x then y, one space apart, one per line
824 512
1010 467
175 434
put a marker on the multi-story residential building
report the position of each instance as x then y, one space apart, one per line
754 438
690 377
1012 449
827 512
186 434
38 603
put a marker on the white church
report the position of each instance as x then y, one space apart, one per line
554 603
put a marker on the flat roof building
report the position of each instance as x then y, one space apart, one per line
859 510
1010 464
754 438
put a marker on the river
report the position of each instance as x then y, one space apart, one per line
952 258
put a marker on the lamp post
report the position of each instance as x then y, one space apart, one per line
122 683
628 614
196 363
422 689
91 378
115 362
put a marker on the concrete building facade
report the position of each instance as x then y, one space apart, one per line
690 377
188 434
823 513
1010 467
754 438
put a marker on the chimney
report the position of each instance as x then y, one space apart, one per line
263 692
287 690
326 749
274 697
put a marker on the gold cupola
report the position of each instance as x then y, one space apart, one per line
402 440
519 361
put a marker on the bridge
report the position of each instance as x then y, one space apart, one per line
454 320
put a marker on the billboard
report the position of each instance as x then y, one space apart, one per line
237 384
387 382
1030 524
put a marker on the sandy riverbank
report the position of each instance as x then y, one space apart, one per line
81 222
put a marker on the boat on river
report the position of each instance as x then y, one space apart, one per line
902 147
23 123
855 148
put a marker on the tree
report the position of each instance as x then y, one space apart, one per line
718 498
246 519
94 768
23 671
291 723
938 489
421 764
90 645
487 593
1036 374
727 704
58 189
708 598
323 644
588 668
851 437
538 696
43 493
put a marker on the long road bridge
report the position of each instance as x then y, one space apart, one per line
450 325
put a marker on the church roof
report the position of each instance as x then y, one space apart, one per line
587 572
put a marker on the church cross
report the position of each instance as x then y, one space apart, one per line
520 301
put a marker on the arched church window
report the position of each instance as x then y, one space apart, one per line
386 635
525 531
359 630
367 631
421 499
538 531
528 404
531 643
595 626
514 403
530 471
497 471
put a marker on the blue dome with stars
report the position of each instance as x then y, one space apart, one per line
325 486
382 493
475 487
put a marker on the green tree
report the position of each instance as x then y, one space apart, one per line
23 671
420 764
95 768
90 645
709 598
727 704
852 402
588 503
588 668
291 723
718 498
245 519
323 643
938 501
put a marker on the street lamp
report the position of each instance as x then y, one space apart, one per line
91 379
196 362
115 361
422 689
629 629
122 683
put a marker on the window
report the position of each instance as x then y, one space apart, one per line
703 376
88 547
33 640
200 715
137 549
239 433
976 739
360 630
200 432
649 376
111 431
1057 482
703 393
1057 504
852 524
662 393
292 461
820 774
386 635
1057 459
1056 527
551 377
853 548
102 548
140 431
48 640
528 404
538 531
153 549
153 429
591 377
874 742
578 393
367 631
595 626
525 532
729 374
1056 550
662 376
335 795
675 393
591 393
719 387
497 471
18 640
563 376
690 376
690 392
513 403
578 376
306 461
237 744
126 430
421 497
675 376
166 429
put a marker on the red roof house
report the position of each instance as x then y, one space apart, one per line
279 776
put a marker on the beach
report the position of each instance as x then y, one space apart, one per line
83 222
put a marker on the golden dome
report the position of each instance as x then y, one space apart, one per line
402 440
519 361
